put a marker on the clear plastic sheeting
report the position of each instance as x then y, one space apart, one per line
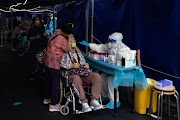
124 80
49 28
122 76
140 79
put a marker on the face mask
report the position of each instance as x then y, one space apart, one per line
73 45
70 31
37 23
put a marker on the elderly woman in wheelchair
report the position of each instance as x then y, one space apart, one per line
78 73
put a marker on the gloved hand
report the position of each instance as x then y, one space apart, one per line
84 43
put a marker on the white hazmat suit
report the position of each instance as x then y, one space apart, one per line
114 46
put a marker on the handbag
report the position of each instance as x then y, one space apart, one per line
81 71
40 54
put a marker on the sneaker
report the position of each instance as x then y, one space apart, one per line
86 108
54 108
47 101
110 105
95 105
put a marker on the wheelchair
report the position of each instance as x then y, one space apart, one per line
68 91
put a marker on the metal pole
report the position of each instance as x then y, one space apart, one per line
11 28
2 28
115 102
92 21
54 19
1 37
87 23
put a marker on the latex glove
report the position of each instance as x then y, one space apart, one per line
84 43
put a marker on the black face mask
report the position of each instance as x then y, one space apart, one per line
70 31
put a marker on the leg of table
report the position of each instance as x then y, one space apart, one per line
133 98
115 102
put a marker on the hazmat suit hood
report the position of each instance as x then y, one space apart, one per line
112 47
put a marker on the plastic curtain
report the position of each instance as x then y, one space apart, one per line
151 26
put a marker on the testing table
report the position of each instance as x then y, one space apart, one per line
122 76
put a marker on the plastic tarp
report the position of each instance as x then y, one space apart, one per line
122 76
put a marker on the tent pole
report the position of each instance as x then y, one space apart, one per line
11 28
2 28
92 21
87 23
54 19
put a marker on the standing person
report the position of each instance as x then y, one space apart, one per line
114 45
58 44
37 42
16 32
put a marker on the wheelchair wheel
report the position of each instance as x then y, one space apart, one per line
64 110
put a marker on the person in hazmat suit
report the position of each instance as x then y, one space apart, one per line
112 47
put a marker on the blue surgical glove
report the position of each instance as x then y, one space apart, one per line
84 43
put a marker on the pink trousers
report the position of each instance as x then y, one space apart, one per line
93 78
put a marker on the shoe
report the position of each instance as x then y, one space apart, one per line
110 105
104 99
86 108
54 108
47 101
95 105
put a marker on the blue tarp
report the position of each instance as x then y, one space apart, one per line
122 76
